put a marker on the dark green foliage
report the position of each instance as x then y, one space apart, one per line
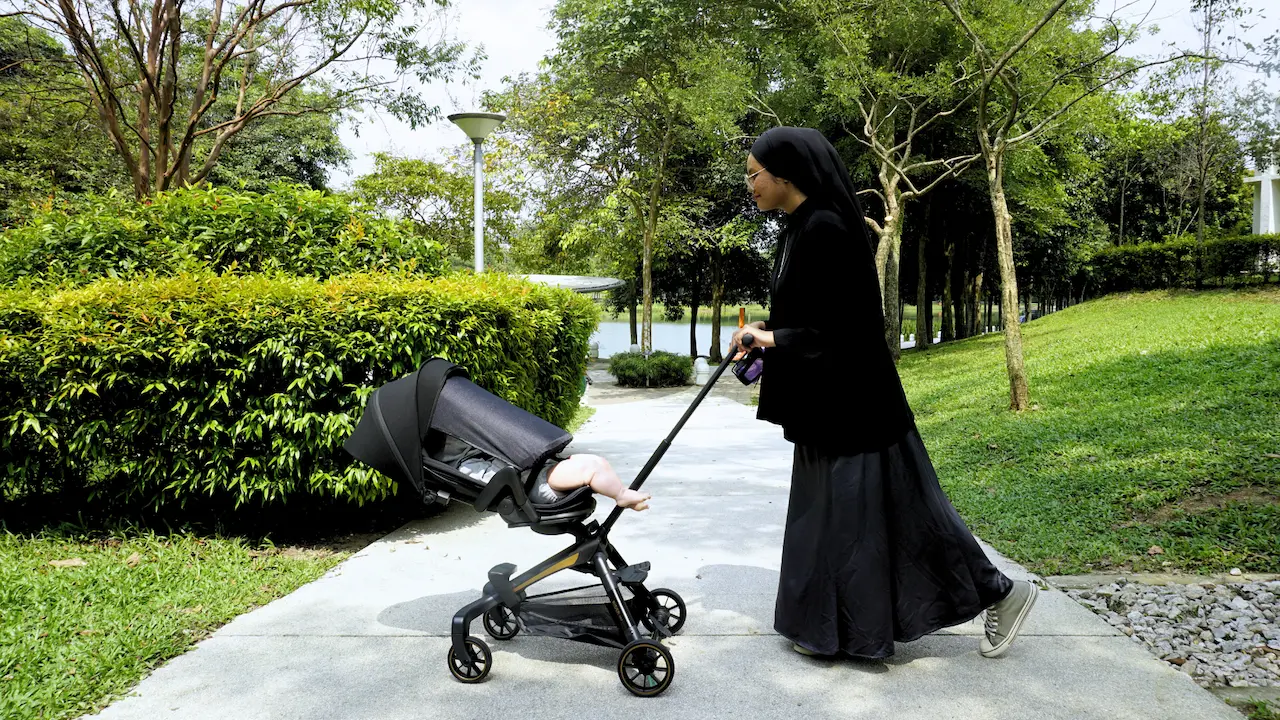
291 228
659 369
243 388
1150 266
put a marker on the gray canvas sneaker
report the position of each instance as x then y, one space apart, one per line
1004 619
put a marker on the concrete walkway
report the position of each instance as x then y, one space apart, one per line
369 639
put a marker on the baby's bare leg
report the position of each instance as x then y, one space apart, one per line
593 470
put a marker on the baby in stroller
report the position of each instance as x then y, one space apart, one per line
554 480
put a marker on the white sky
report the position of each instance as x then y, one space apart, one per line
514 36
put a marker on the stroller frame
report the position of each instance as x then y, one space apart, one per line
636 624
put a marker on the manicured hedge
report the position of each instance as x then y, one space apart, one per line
245 387
659 369
1151 266
291 228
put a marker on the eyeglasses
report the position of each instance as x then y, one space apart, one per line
751 179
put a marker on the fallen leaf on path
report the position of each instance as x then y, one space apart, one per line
133 560
73 562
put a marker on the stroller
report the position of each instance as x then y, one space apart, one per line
402 427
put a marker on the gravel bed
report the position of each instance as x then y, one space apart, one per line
1222 635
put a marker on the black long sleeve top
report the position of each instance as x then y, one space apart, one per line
830 380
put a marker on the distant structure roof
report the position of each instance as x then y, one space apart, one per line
577 283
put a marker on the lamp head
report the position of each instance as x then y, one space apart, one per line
477 126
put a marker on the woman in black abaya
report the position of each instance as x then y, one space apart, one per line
873 551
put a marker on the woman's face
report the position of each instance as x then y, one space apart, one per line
768 191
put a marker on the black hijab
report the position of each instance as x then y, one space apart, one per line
804 157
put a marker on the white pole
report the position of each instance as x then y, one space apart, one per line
479 219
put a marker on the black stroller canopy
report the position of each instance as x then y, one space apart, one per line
439 396
468 412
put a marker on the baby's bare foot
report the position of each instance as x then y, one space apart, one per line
633 499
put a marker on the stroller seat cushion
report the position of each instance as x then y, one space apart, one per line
481 467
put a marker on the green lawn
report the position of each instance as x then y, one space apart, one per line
1154 442
72 638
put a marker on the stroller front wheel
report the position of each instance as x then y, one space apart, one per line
475 671
646 668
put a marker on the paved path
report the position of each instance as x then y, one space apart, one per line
369 639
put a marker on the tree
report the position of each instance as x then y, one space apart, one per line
1215 17
1257 113
1037 63
173 85
301 149
438 199
49 141
711 258
897 67
631 86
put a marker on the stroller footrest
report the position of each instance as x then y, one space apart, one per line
634 574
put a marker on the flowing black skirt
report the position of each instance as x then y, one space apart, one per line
874 552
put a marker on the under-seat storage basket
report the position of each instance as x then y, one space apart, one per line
580 613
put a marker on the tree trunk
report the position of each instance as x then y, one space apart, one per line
924 307
972 305
1019 392
887 260
650 230
961 300
931 330
717 301
1203 158
892 320
693 327
1122 194
635 335
948 320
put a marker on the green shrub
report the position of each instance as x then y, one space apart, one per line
291 228
659 369
1153 266
245 387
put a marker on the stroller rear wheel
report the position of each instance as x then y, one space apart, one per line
666 609
471 672
501 623
646 668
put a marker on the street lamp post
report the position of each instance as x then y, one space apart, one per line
477 126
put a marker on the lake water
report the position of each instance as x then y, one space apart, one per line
614 336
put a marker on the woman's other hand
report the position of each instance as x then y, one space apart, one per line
760 338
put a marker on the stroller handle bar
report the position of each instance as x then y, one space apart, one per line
747 341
